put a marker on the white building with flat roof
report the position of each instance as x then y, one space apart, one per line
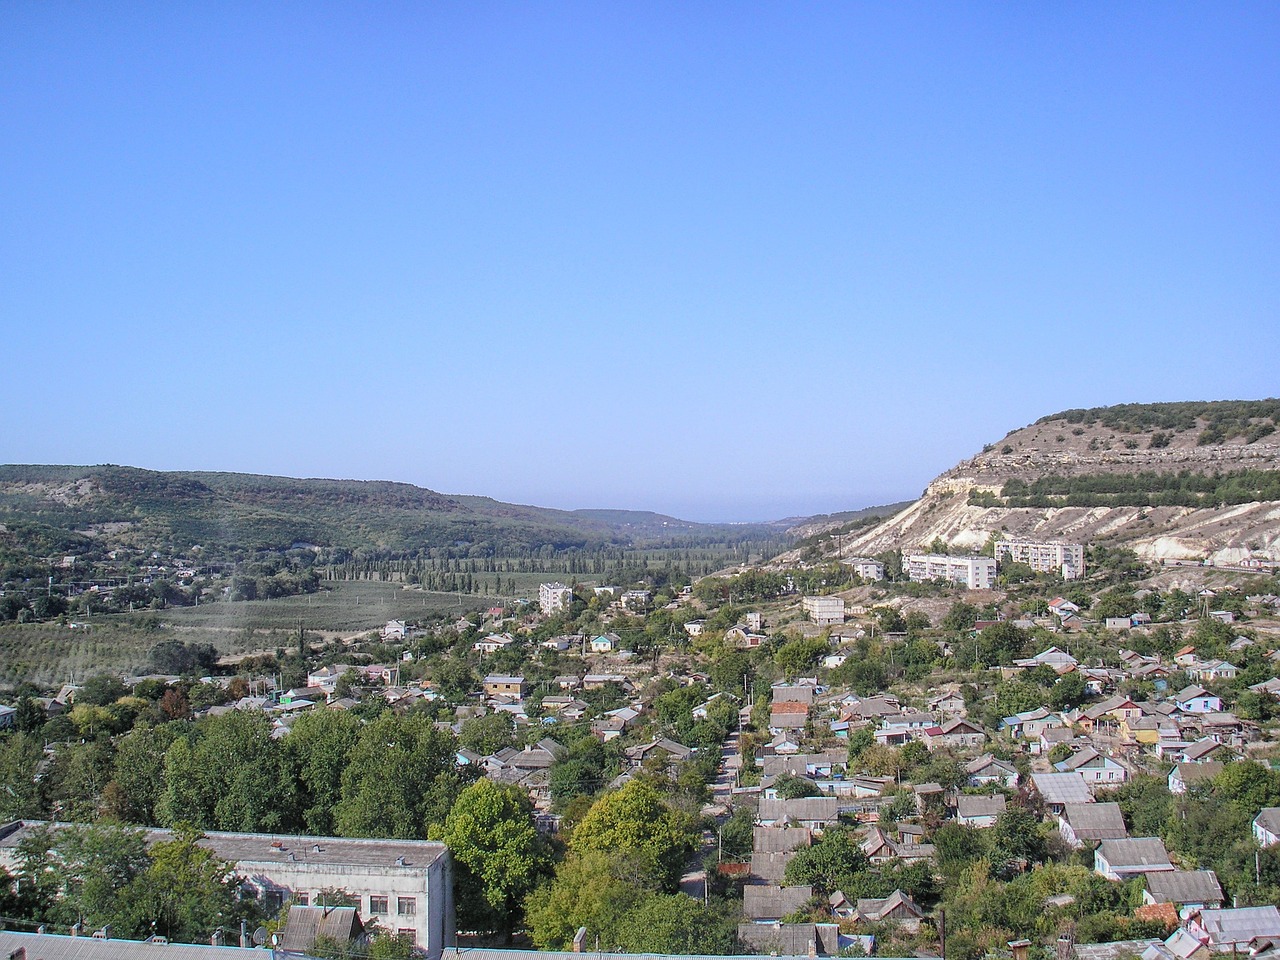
976 573
405 885
824 611
554 597
867 569
1045 556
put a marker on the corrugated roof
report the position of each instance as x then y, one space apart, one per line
1095 821
1184 886
47 946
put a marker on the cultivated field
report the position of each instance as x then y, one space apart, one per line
49 654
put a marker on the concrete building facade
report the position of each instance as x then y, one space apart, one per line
554 597
405 885
976 573
824 611
1045 556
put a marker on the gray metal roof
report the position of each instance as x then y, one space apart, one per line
1135 852
1062 787
281 848
1095 821
1184 886
770 902
48 946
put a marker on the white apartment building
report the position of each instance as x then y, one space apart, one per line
554 597
824 611
1045 556
405 885
976 573
867 569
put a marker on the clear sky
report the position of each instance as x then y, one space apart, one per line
728 261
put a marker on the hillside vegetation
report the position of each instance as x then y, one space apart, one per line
1187 481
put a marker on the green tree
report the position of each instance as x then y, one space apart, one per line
488 734
401 778
674 925
316 753
636 824
594 889
835 862
140 772
500 855
186 891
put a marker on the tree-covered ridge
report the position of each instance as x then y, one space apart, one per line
1146 489
59 504
1222 419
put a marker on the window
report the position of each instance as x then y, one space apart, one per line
408 932
406 906
302 899
378 905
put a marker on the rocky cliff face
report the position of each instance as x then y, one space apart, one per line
1070 445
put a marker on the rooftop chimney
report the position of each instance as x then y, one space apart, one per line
77 929
1020 948
580 940
219 938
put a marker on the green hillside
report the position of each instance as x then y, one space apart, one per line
63 509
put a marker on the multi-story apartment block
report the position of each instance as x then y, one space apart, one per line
554 597
824 610
867 569
976 573
1048 556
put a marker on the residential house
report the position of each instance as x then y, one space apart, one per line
897 908
813 813
1209 671
775 939
1197 752
1082 824
787 716
1096 768
1242 929
1122 859
742 638
599 681
1194 889
1059 789
605 643
824 611
769 904
694 627
496 684
947 703
957 734
793 693
1266 827
1061 661
1185 775
1029 724
675 752
1061 607
493 643
986 769
979 812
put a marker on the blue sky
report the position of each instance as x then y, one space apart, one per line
724 261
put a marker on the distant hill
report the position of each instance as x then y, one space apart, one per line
67 509
1195 480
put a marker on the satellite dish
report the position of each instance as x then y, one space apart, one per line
260 936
